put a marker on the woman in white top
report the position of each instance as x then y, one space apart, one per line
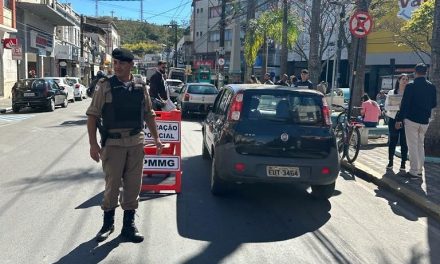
392 106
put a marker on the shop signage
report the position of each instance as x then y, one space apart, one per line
63 63
198 63
41 40
407 7
63 52
9 43
17 53
75 53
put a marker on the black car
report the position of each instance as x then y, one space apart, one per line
267 133
43 93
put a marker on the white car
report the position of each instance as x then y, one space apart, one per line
174 87
79 90
196 98
65 86
140 76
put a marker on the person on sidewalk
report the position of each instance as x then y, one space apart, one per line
370 111
266 79
419 98
304 82
119 107
392 106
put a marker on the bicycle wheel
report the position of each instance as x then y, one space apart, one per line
341 118
339 135
354 144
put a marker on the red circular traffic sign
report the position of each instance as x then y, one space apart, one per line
360 24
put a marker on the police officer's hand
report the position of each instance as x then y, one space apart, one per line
95 152
159 147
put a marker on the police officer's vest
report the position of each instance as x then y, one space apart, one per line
126 109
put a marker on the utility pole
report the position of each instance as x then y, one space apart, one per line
175 44
284 51
173 26
250 15
221 48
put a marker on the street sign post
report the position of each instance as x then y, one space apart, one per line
360 26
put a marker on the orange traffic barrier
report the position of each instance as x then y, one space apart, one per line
159 169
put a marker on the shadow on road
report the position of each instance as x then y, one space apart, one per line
90 252
252 213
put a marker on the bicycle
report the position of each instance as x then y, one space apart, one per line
348 136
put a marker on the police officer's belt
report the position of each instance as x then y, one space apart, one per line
118 135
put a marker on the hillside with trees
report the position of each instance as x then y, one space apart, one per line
143 37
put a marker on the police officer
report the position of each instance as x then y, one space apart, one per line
118 108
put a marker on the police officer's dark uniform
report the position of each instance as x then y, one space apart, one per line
122 108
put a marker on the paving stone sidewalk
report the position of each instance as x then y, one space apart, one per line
5 104
424 192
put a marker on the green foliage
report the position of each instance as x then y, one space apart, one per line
269 24
143 48
143 38
422 19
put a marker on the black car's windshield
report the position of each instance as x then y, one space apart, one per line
283 106
30 84
202 89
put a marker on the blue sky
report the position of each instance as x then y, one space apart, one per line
155 11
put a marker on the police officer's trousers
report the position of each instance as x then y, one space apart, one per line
123 168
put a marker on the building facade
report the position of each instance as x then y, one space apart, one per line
8 66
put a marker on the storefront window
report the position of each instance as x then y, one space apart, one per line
7 3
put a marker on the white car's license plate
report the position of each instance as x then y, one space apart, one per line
28 94
278 171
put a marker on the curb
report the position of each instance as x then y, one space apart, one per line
4 110
408 195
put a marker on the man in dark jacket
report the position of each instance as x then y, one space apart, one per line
418 100
304 82
158 93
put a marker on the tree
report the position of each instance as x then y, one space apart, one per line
314 60
269 24
142 48
433 135
417 32
328 24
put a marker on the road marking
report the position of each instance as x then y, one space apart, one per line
13 118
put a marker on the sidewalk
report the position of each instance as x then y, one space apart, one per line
424 192
5 104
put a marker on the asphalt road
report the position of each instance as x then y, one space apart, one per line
50 191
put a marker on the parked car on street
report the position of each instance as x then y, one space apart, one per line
270 134
174 86
196 98
79 90
140 77
63 84
38 92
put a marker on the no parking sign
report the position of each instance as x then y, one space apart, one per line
360 24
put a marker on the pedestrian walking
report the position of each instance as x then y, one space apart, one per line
119 108
266 79
370 111
392 106
158 91
304 82
419 98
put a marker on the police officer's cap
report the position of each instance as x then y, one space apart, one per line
122 54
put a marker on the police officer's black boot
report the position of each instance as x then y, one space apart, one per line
108 227
129 229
